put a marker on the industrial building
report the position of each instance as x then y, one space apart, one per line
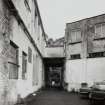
22 44
85 51
29 60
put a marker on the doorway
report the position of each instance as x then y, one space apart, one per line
54 72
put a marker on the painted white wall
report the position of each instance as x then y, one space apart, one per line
84 70
23 12
31 23
96 69
24 87
54 52
12 88
74 49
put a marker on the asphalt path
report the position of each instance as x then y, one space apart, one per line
57 97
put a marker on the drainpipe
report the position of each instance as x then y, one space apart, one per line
65 55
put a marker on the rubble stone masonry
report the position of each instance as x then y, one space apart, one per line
4 48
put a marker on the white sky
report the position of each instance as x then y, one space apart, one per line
56 13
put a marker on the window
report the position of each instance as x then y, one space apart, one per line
26 2
39 32
35 69
39 22
75 56
100 30
13 61
24 65
29 54
75 36
35 19
96 54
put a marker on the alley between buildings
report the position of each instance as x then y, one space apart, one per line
57 97
30 60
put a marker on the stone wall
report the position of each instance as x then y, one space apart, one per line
4 46
14 27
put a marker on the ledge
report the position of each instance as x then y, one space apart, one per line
71 43
103 38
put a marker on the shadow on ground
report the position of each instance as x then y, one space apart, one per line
55 97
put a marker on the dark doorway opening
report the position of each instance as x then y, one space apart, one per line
54 72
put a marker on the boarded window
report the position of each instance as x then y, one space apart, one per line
75 56
13 61
24 65
76 36
29 55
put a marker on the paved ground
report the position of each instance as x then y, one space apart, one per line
57 97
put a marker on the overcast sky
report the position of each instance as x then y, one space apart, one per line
56 13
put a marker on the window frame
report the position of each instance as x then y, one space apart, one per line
99 36
77 39
16 64
96 54
24 63
29 55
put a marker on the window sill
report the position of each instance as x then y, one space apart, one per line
14 64
71 43
75 59
101 38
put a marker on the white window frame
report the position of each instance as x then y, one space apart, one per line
101 33
76 36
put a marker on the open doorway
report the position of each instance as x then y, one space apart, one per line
54 72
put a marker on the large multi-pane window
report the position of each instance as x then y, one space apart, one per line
75 36
13 61
100 30
24 65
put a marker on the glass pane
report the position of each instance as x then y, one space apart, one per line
98 30
103 29
13 54
35 69
24 65
29 54
73 36
78 35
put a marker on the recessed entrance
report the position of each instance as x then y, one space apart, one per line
54 72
